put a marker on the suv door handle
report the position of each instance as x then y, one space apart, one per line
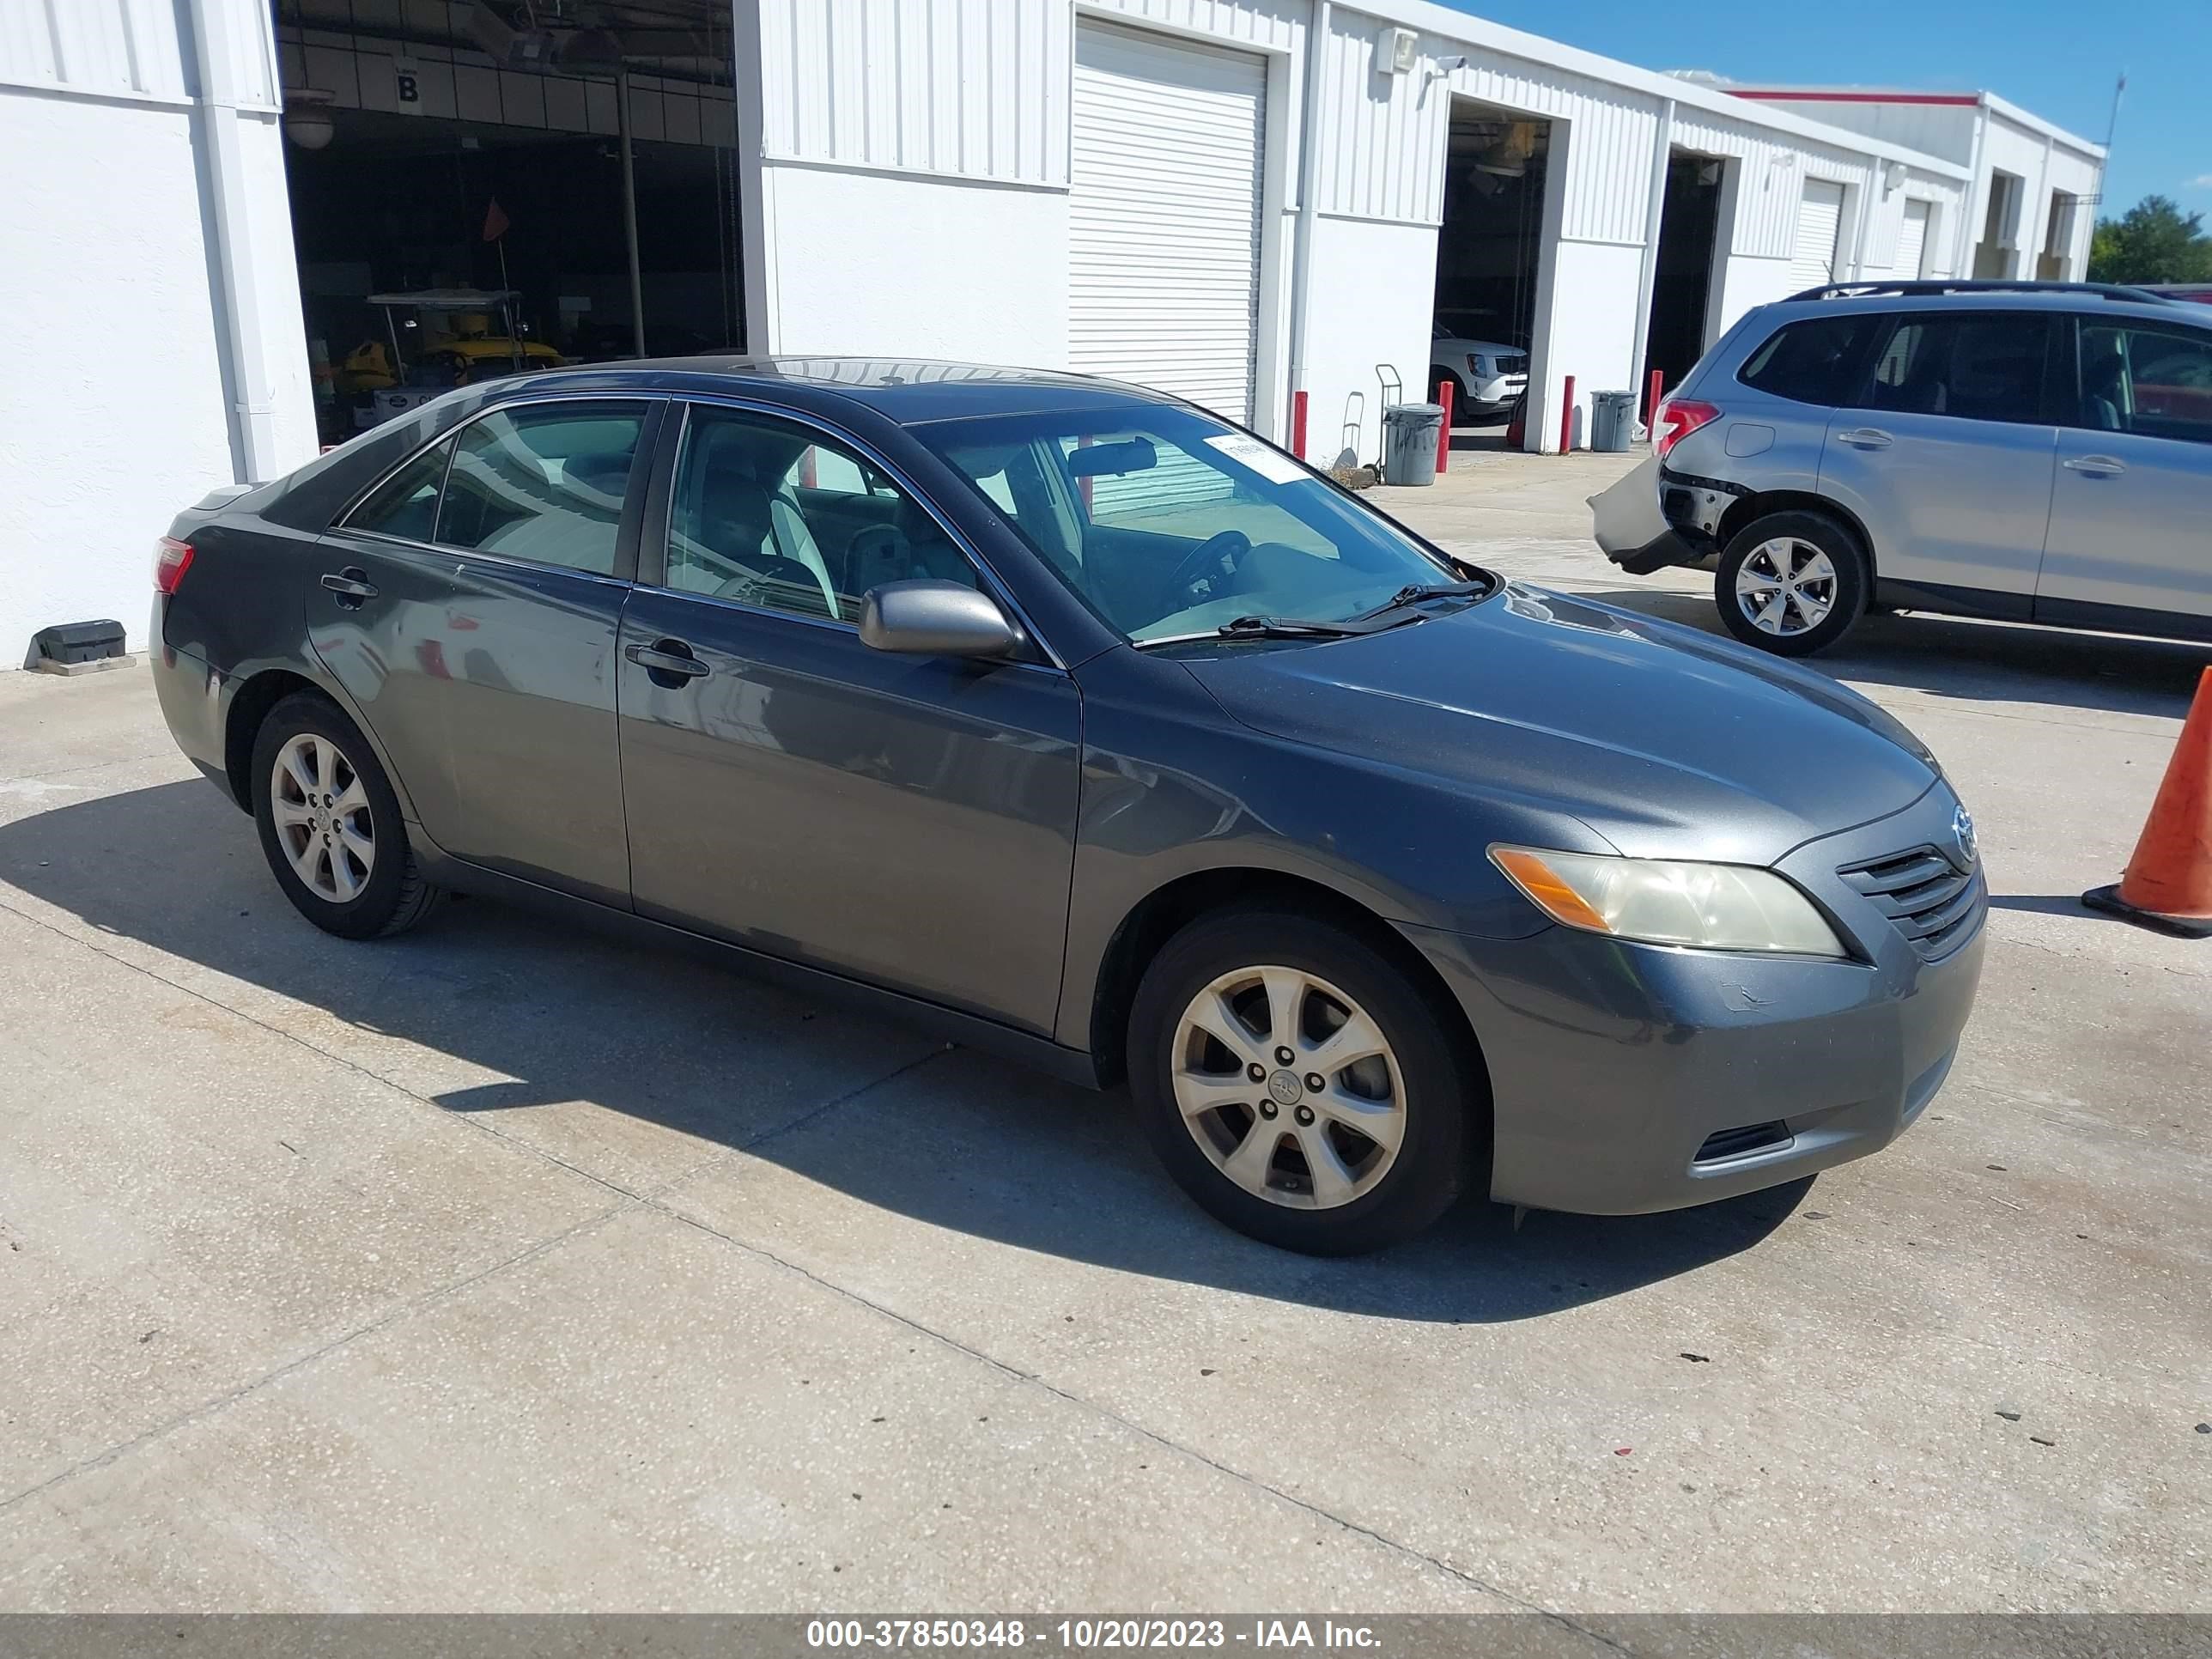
350 586
2095 466
669 658
1864 437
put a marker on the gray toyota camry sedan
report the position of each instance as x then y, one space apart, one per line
1100 732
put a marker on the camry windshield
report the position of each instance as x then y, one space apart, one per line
1170 525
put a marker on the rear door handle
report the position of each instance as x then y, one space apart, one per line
669 658
1864 437
351 586
2095 466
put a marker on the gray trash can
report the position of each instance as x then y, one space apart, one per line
1613 420
1410 433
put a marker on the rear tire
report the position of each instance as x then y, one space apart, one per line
330 823
1373 1155
1791 583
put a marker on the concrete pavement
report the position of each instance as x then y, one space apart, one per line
504 1267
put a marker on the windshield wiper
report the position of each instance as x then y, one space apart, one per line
1284 628
1421 593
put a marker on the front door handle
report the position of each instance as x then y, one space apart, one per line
1864 437
2095 466
351 586
669 661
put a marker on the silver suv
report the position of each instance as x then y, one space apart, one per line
2030 452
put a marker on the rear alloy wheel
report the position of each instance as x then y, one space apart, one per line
330 823
1791 583
322 817
1297 1085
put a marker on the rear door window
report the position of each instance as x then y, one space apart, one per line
1816 361
545 482
1985 368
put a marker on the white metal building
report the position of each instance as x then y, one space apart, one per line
1124 186
2036 186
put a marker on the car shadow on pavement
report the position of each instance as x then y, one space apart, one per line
1974 661
569 1022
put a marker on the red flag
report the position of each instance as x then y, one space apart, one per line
495 222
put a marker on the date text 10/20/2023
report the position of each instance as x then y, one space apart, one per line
1086 1635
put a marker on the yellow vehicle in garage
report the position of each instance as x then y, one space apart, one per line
438 338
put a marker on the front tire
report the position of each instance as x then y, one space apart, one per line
1372 1155
1791 583
330 823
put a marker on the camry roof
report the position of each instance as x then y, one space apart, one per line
908 390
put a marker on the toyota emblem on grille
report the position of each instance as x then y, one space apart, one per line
1962 834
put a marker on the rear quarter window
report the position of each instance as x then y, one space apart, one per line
1815 360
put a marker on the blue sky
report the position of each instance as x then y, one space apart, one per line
2057 59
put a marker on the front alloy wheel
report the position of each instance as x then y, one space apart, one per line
1289 1087
1302 1082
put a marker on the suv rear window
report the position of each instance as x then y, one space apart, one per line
1814 361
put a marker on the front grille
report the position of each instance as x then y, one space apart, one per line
1735 1143
1931 901
1513 362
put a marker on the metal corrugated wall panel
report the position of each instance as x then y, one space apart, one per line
1383 134
104 47
1773 177
975 88
1251 22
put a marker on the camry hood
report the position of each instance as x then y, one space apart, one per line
1668 742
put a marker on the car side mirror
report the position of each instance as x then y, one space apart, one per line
929 618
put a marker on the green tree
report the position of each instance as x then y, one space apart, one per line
2154 241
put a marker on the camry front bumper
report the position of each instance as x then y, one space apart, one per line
1631 1077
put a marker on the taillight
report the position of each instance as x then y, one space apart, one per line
1678 418
171 558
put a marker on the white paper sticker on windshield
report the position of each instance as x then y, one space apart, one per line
1251 452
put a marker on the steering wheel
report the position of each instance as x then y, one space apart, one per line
1217 555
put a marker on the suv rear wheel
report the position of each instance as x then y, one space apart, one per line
1791 583
1297 1084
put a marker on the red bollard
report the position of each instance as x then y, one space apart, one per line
1444 436
1298 424
1567 420
1658 395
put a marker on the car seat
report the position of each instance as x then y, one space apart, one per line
2101 390
742 509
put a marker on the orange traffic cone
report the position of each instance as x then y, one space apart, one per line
2168 885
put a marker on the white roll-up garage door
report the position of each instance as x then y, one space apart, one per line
1164 236
1820 217
1912 243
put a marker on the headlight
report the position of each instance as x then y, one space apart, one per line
1710 907
1475 366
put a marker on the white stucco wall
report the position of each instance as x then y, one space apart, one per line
111 413
876 264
